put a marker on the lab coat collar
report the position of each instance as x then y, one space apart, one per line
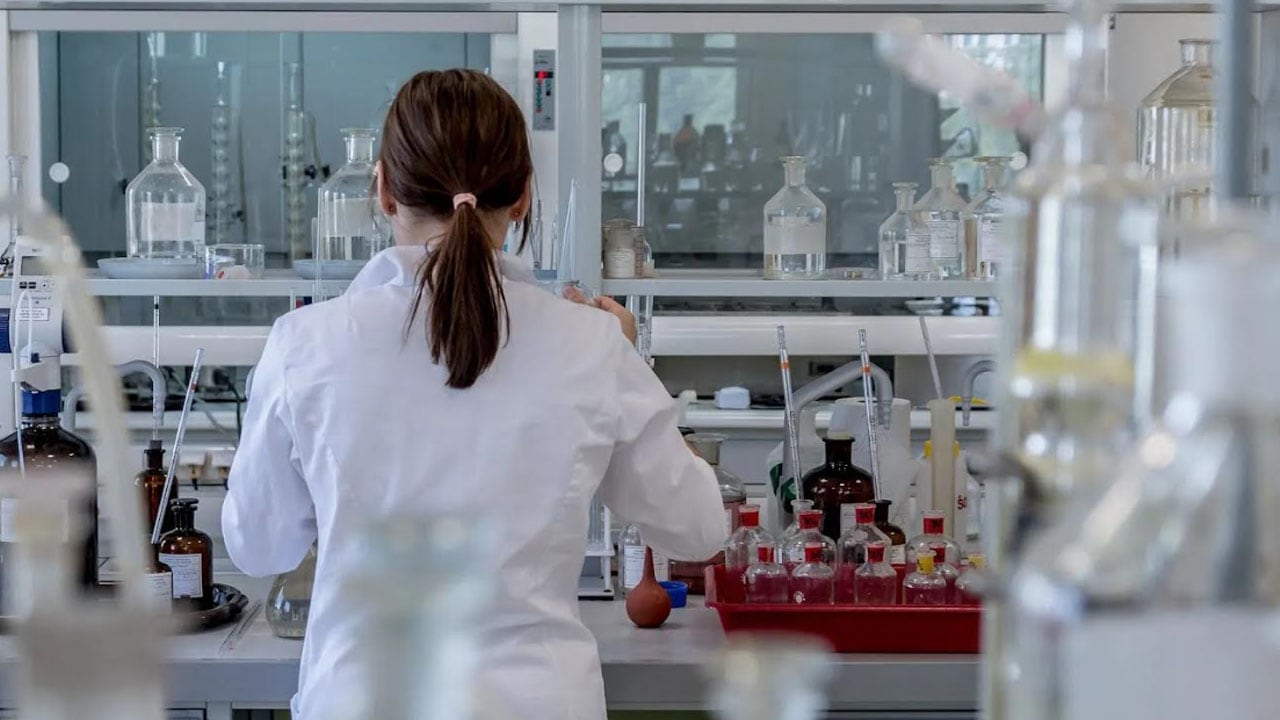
398 265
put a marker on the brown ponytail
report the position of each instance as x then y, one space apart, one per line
450 133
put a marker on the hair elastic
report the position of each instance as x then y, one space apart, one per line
464 199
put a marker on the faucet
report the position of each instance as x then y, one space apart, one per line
971 376
841 376
159 392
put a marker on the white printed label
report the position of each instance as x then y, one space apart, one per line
898 554
34 314
848 517
159 590
990 240
728 521
918 244
661 567
944 239
620 263
169 222
187 575
632 566
11 511
1144 666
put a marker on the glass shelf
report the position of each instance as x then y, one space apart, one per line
737 283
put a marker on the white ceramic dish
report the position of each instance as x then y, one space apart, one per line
151 269
329 269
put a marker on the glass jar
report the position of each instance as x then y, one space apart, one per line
289 602
1177 129
795 229
813 582
837 483
875 581
165 205
620 239
896 262
347 210
939 224
733 495
984 241
925 586
189 554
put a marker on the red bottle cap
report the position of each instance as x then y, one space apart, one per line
810 519
864 514
933 523
764 553
749 516
939 553
813 552
875 552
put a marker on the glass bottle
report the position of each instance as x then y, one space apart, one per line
165 205
631 551
795 229
938 223
983 236
47 449
189 553
740 551
226 191
924 586
793 553
851 549
837 482
943 566
289 602
897 538
732 494
813 582
933 536
897 261
347 208
686 147
151 483
792 530
1178 127
769 677
875 582
766 580
970 583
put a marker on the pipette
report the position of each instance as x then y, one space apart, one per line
155 357
564 257
868 400
177 445
788 400
933 360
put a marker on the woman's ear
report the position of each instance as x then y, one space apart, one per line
385 201
521 208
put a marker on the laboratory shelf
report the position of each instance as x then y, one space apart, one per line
274 283
746 283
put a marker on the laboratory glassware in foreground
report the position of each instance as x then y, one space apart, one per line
166 205
347 206
769 676
795 228
289 602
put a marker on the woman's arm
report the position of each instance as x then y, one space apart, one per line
268 518
654 480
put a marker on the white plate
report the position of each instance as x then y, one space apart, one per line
149 269
330 269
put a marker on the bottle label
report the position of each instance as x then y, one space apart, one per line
898 554
933 526
944 239
918 244
188 578
848 517
10 513
620 263
810 520
728 521
990 241
159 588
633 565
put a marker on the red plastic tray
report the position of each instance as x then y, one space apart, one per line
857 628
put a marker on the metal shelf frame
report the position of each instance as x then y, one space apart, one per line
277 283
740 284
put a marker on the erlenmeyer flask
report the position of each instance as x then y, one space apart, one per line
769 676
289 602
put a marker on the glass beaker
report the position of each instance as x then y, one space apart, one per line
347 207
984 239
235 262
289 602
795 229
166 205
769 676
939 224
896 260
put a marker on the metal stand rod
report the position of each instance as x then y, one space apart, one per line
1236 131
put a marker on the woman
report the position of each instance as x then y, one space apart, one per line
444 375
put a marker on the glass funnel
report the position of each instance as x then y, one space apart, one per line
289 602
348 228
795 229
166 205
938 222
896 258
769 676
983 219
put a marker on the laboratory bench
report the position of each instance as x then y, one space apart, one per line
644 670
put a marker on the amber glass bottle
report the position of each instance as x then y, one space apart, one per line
151 484
837 482
897 552
189 554
46 449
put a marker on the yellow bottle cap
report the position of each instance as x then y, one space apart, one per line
977 561
928 449
924 562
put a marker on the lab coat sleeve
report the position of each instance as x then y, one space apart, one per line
654 480
268 517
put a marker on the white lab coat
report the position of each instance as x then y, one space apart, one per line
350 420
